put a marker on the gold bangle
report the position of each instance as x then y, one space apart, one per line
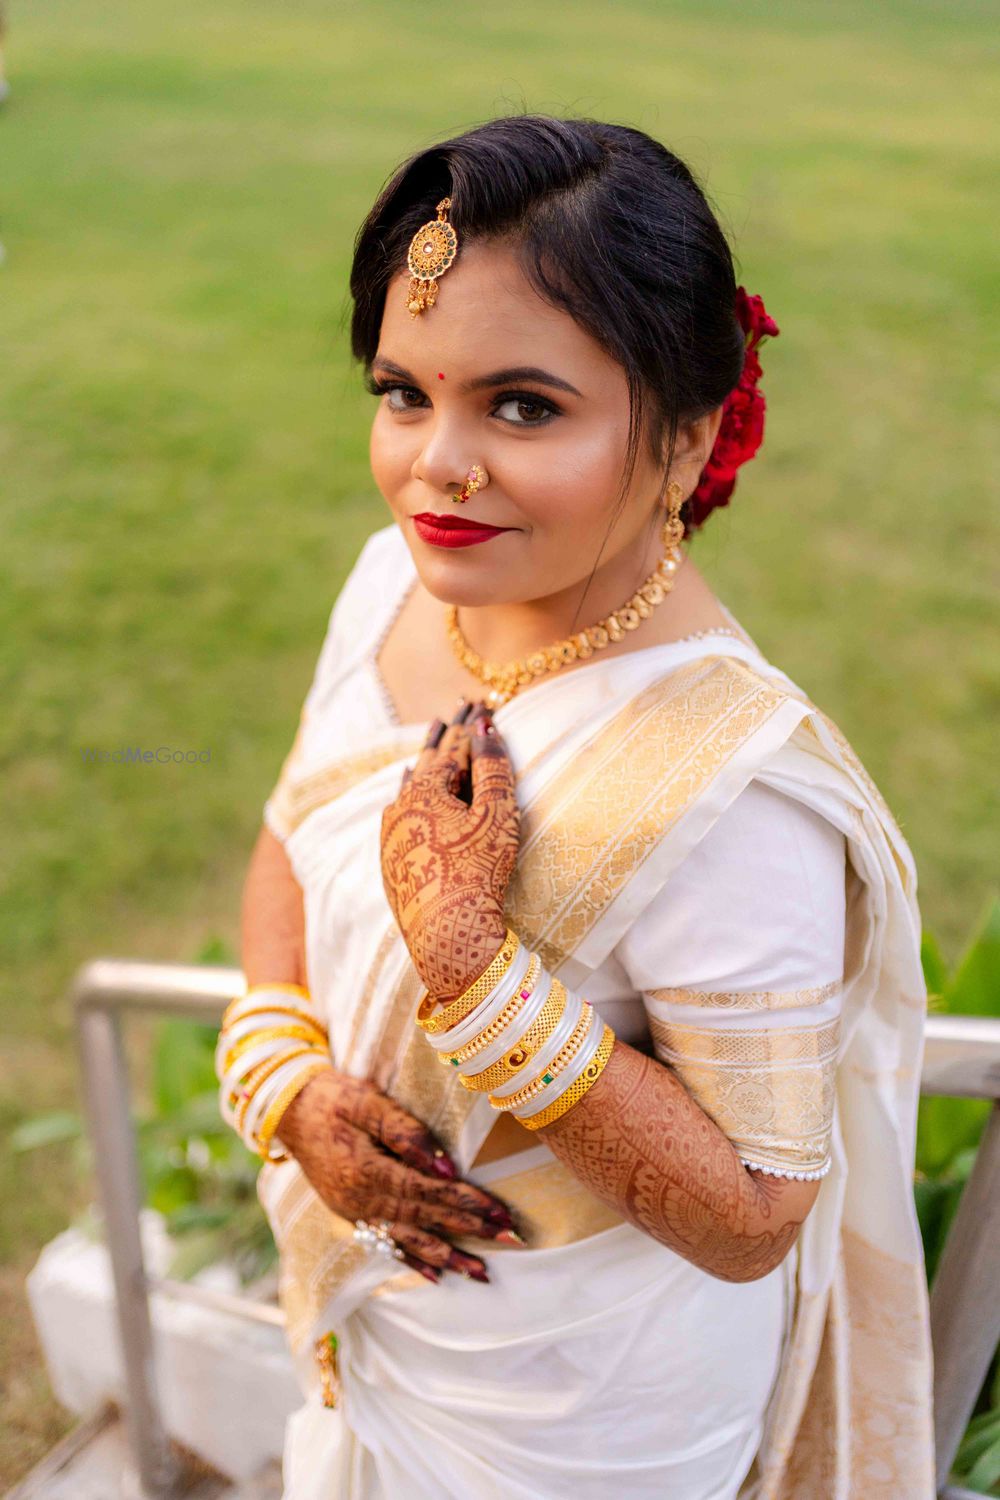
271 1033
577 1089
562 1059
272 1119
521 1053
490 1033
259 989
258 1075
278 1010
458 1009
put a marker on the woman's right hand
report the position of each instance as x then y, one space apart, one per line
369 1158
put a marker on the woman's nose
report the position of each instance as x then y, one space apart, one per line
444 457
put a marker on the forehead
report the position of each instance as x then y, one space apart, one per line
488 315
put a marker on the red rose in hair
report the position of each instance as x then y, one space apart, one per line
741 431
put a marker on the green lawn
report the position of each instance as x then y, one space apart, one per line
184 442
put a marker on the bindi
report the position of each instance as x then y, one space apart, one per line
440 376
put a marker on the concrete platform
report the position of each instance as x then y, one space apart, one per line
92 1463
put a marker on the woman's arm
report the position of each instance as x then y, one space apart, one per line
637 1139
273 921
640 1143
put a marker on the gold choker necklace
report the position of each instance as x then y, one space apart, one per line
505 678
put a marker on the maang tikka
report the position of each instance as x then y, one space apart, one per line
432 250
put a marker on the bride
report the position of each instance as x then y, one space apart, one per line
616 965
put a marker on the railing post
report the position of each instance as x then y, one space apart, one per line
106 1089
965 1306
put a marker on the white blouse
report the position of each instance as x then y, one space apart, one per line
732 974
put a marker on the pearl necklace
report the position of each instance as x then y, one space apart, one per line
506 678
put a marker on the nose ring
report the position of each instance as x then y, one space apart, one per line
476 479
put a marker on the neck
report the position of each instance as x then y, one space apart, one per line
506 632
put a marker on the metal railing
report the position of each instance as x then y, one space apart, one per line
961 1059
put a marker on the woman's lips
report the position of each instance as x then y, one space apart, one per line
454 531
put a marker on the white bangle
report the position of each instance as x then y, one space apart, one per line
548 1093
242 1066
264 999
266 1095
239 1067
486 1010
245 1026
518 1027
561 1034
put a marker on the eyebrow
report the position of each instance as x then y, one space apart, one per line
484 382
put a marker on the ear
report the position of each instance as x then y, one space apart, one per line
693 446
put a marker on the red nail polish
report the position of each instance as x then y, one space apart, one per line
443 1167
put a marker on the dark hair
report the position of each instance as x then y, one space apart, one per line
608 225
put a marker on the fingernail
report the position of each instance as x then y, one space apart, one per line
510 1237
498 1214
478 1275
434 734
443 1165
431 1272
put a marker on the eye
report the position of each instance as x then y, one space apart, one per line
402 391
540 410
543 410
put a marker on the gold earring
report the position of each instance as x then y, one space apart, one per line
432 250
476 479
673 526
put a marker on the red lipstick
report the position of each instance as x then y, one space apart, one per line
453 531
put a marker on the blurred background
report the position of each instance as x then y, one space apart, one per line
183 444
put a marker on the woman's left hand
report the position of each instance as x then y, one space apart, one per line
446 862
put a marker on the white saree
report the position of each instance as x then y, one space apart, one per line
704 858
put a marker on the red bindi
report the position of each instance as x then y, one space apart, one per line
440 376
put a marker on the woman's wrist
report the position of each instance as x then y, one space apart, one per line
308 1110
490 944
518 1035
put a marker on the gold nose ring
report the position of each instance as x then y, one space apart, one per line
476 479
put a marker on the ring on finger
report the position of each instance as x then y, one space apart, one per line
376 1238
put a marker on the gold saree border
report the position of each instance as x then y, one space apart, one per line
584 837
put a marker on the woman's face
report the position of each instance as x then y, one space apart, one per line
493 375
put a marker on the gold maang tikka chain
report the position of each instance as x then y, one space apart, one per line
504 679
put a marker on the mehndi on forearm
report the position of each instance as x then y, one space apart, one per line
622 1122
639 1142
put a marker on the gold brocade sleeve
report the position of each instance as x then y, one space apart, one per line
739 960
761 1064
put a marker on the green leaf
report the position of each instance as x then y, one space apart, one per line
986 1470
192 1216
935 972
46 1130
946 1127
980 1434
183 1064
975 988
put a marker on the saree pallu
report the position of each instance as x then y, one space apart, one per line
598 1361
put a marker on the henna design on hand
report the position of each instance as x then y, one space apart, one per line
341 1130
446 864
639 1142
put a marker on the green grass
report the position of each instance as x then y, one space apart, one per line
184 444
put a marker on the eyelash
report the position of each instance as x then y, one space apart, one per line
377 387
